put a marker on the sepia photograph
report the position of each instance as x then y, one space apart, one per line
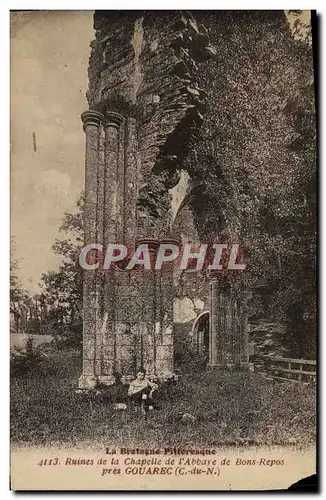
163 317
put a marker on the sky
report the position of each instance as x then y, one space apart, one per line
49 60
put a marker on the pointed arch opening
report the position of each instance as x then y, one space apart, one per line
200 335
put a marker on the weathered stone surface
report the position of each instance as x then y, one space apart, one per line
87 382
146 106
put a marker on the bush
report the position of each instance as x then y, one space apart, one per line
23 360
187 359
70 339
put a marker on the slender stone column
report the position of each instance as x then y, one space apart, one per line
164 321
229 328
238 348
91 121
246 347
130 184
112 212
106 356
215 339
121 181
100 239
148 325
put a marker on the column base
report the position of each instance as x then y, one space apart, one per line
106 379
87 382
163 376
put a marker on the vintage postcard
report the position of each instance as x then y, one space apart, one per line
163 250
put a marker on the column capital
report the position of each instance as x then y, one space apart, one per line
151 242
214 275
170 241
91 117
112 119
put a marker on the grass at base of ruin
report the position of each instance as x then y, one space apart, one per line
231 409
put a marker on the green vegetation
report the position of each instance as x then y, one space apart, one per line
231 409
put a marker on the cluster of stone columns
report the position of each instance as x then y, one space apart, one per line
127 315
102 211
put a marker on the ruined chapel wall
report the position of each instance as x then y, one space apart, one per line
143 65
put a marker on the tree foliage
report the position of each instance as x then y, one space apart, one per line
256 160
255 155
20 300
62 289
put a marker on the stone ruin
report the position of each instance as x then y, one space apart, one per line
145 106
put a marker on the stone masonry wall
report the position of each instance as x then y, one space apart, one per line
145 106
145 65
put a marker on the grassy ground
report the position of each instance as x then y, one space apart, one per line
231 409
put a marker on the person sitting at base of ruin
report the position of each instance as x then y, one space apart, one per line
141 391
